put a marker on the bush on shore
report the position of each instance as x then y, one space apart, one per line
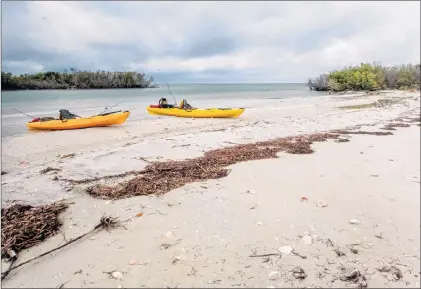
75 79
368 77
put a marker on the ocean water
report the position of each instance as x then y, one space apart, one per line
91 102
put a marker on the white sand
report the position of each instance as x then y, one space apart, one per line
219 223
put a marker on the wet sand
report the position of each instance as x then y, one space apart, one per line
215 226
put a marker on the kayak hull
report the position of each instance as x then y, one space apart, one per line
80 123
197 113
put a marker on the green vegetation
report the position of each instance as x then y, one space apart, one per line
75 79
368 77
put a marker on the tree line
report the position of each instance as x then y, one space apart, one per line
368 77
76 79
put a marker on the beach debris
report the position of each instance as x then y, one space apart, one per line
354 221
259 224
298 255
179 257
299 273
285 250
304 199
49 169
161 177
353 250
392 126
24 226
3 173
133 262
106 222
165 246
354 276
12 254
92 238
306 240
376 133
68 156
254 207
250 192
339 252
139 214
394 271
274 275
67 186
341 140
374 175
321 204
263 255
117 275
169 234
329 243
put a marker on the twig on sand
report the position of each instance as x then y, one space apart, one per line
296 254
49 169
62 285
264 255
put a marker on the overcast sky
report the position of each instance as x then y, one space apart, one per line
205 42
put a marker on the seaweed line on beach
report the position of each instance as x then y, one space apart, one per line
161 177
393 126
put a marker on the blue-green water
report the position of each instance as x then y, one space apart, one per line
89 102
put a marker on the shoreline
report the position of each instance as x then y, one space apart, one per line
223 206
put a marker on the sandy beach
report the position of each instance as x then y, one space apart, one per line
345 215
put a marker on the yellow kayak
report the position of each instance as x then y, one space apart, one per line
197 112
85 122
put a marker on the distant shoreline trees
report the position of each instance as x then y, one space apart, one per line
76 79
368 77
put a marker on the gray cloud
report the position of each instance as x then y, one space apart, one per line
208 41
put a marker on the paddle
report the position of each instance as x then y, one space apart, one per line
24 113
110 107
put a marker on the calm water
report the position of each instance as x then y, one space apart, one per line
90 102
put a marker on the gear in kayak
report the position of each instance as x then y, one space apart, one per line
164 104
65 114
